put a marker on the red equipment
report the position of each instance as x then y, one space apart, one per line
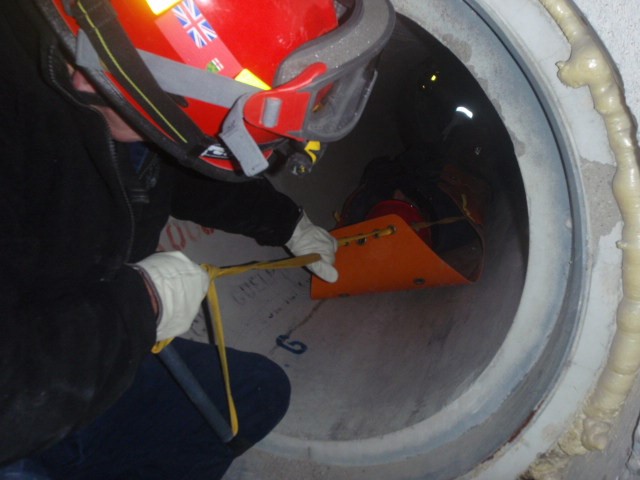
219 83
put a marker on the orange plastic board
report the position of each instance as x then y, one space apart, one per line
400 261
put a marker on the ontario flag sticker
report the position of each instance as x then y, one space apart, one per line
196 42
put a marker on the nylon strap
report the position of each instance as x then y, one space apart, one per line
214 303
175 77
214 300
99 21
237 138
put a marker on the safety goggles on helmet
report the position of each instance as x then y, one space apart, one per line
341 62
218 123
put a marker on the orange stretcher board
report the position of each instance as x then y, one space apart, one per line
397 261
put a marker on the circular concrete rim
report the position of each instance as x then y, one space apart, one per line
483 399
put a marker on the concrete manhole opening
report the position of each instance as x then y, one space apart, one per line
400 357
429 383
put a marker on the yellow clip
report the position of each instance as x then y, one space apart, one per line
312 148
160 6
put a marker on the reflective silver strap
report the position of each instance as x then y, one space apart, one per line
175 77
179 79
237 138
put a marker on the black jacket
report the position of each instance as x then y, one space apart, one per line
75 318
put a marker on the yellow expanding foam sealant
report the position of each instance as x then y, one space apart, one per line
590 65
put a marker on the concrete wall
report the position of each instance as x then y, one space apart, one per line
618 25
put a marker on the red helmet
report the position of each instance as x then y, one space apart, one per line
219 83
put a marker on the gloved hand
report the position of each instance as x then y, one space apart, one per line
309 238
179 286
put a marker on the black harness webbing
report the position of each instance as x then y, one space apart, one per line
99 21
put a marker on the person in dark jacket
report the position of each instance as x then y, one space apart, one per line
85 295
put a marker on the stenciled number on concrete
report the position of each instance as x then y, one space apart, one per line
294 346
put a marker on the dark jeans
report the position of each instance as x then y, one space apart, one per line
155 432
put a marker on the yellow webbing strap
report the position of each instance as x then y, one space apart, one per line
444 221
214 304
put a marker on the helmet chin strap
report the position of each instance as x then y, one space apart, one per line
99 21
173 77
91 99
103 42
183 80
236 136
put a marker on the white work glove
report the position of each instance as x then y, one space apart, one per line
179 286
309 238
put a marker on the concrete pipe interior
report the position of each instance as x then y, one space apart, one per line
428 383
401 357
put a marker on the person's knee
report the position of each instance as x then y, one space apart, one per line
280 388
262 409
26 469
260 387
